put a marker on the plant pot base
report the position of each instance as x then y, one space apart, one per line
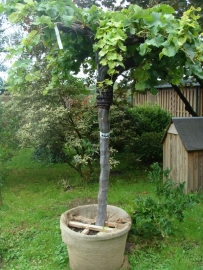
102 251
126 264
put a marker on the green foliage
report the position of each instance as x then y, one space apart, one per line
148 146
62 125
56 145
153 38
56 125
139 129
8 143
149 123
123 135
156 215
166 255
149 118
51 154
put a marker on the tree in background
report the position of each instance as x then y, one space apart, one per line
56 124
2 47
152 42
9 35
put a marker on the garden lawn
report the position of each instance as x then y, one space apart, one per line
35 195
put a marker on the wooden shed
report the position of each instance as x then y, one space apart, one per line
183 151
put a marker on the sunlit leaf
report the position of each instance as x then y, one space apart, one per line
144 48
67 20
32 39
43 20
153 90
169 51
30 2
140 86
14 17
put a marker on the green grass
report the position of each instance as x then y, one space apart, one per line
34 198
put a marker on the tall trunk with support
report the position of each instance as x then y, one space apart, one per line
104 101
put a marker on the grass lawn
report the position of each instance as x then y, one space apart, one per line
35 195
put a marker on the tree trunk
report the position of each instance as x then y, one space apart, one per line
104 100
103 116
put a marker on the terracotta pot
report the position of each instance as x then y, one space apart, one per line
103 251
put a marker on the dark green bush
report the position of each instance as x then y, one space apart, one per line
51 154
148 118
149 147
138 129
149 122
8 143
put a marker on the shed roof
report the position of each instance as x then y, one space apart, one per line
190 130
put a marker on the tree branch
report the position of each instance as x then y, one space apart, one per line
77 28
133 39
185 101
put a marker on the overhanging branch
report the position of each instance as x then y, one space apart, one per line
80 29
133 39
188 107
77 28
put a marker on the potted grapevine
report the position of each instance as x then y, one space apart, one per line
151 42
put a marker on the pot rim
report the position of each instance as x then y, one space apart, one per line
101 236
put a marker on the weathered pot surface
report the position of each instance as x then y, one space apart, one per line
101 251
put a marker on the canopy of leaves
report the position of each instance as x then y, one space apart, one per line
152 40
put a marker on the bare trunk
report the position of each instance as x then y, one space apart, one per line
104 100
104 165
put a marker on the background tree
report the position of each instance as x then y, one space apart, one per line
56 124
9 35
151 41
2 47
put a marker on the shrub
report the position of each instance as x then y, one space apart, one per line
8 143
123 135
53 154
149 118
149 122
156 215
148 146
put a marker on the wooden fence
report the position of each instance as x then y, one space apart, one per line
168 99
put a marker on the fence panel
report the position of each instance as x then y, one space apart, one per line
168 99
